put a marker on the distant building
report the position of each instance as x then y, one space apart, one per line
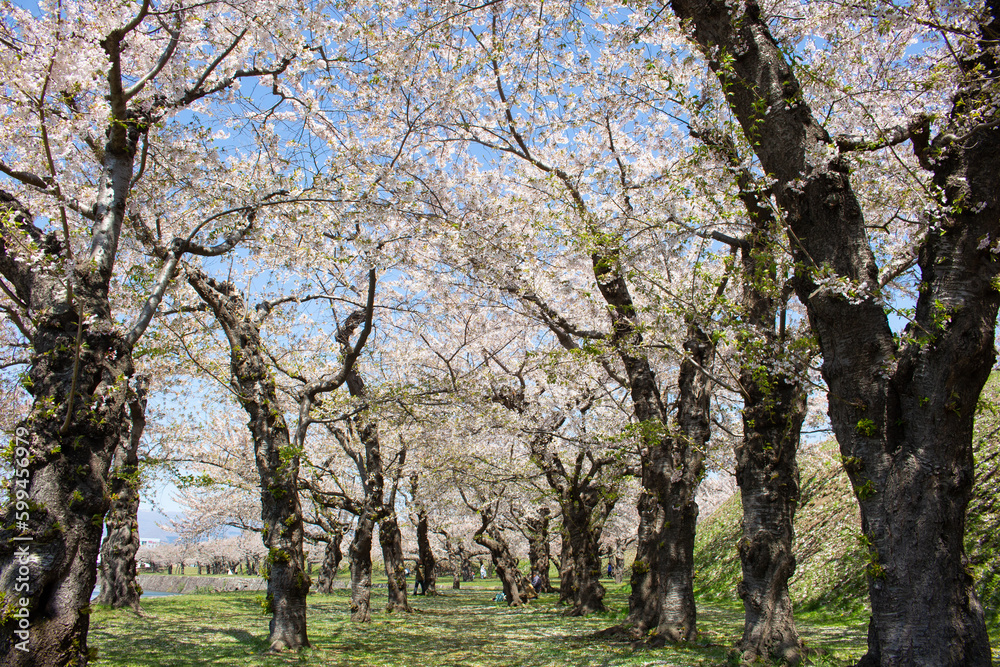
149 541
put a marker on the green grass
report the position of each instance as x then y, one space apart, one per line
460 628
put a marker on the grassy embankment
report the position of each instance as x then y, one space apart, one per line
830 559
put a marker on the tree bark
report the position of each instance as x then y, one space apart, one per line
277 463
395 569
514 583
567 566
67 452
426 554
332 555
538 548
902 410
768 477
117 573
360 555
584 527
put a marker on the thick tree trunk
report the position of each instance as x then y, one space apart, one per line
51 530
332 555
395 569
514 583
774 407
277 463
426 554
538 548
360 556
567 567
287 582
662 596
584 530
117 573
769 486
902 410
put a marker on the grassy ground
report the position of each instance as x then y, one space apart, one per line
461 628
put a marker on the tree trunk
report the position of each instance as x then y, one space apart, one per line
618 558
395 569
117 573
52 527
360 556
769 486
584 530
514 583
332 555
662 597
902 410
327 570
774 407
277 463
538 548
426 554
458 560
567 565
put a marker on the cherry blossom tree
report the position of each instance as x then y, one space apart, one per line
98 87
902 407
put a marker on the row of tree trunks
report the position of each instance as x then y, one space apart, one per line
117 574
586 498
277 462
902 409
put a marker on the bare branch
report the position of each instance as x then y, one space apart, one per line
161 63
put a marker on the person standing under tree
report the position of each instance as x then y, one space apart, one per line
418 579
